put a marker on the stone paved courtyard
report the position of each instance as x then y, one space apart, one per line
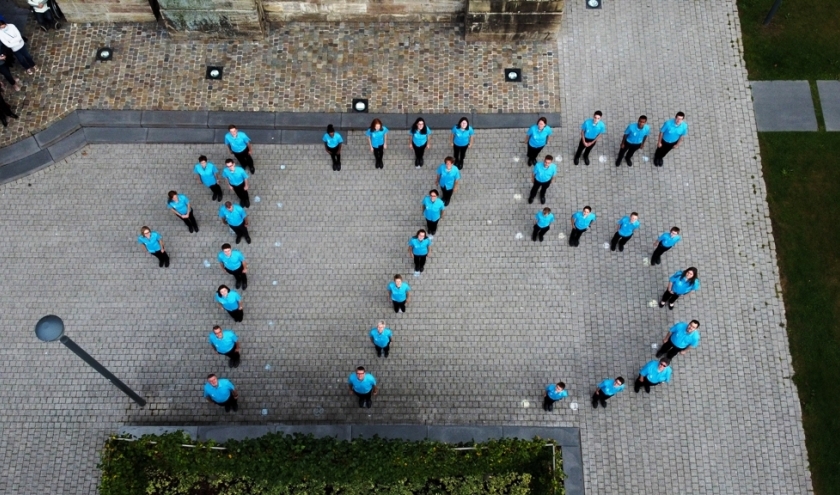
492 320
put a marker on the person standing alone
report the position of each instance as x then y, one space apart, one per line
671 135
590 132
626 227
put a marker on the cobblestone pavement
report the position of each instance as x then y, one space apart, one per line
493 319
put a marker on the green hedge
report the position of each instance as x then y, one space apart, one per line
279 464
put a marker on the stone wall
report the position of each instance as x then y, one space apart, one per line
363 10
107 10
512 20
223 18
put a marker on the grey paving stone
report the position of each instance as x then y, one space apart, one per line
139 431
830 103
563 436
302 137
67 146
110 118
222 434
555 119
115 135
245 121
361 121
342 432
504 120
166 118
783 106
464 434
306 120
25 166
19 150
573 467
180 135
58 130
414 433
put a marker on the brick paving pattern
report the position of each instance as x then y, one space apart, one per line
492 320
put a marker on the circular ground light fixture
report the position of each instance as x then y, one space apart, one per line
593 4
360 105
104 54
513 75
214 72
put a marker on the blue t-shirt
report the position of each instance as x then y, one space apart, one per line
232 262
398 294
652 374
680 285
225 344
377 138
234 217
608 387
236 177
181 204
671 132
551 391
448 177
231 302
432 209
583 222
221 393
239 143
667 241
418 138
152 243
681 338
462 136
634 135
544 221
334 141
418 247
543 173
626 227
381 339
591 130
364 385
206 173
536 137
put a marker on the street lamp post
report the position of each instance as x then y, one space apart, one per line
50 328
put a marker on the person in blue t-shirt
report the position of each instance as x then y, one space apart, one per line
590 132
420 139
233 262
226 343
626 227
377 136
180 206
462 139
332 143
633 140
205 173
671 135
231 302
237 182
652 374
363 385
448 179
240 145
433 212
581 220
399 293
419 247
544 173
552 393
380 336
680 284
544 219
222 392
606 389
679 338
235 217
154 244
663 243
536 138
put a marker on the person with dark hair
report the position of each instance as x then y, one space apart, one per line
380 336
605 390
536 138
419 247
206 173
6 111
462 139
626 227
363 385
448 179
553 392
590 132
377 136
235 217
680 284
154 244
7 74
421 138
332 143
233 262
432 211
652 374
679 338
671 135
581 220
544 173
544 220
226 343
11 37
43 14
663 243
634 139
231 301
222 392
240 145
237 182
180 206
399 293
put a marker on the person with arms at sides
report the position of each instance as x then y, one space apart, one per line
180 206
590 132
633 140
240 145
221 391
206 174
226 343
377 136
671 135
332 143
432 211
553 392
581 220
419 247
448 179
536 138
237 182
680 284
154 244
626 226
421 138
399 293
664 243
380 336
462 140
231 302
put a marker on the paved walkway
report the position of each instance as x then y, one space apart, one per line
492 321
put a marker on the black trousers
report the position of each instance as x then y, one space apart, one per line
233 355
533 153
419 151
619 240
378 152
599 397
163 257
431 226
548 403
365 400
646 384
245 159
446 195
190 221
669 350
45 19
242 194
237 315
241 231
669 297
574 237
581 149
661 152
398 306
217 192
336 157
542 187
539 232
381 350
627 152
459 153
4 69
239 275
229 404
419 263
656 257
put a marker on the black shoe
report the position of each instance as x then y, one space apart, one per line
621 248
577 161
238 284
595 403
214 197
612 248
629 162
253 171
160 264
586 161
422 162
636 387
192 230
196 228
542 199
378 353
244 285
618 163
530 200
238 239
248 239
661 304
671 307
534 237
541 239
235 406
368 403
386 355
227 407
166 263
234 361
647 389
